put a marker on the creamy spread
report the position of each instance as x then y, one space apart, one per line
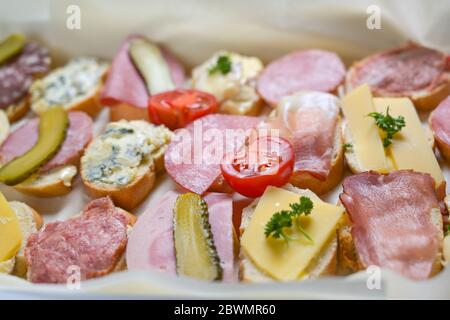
67 85
235 90
123 152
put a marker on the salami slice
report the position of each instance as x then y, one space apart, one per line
193 157
125 84
14 85
93 241
17 75
314 70
25 137
401 71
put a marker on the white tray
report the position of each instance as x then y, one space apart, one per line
194 29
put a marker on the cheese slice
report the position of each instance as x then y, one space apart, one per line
275 257
410 148
365 134
10 233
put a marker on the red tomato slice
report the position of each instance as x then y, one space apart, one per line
177 108
267 161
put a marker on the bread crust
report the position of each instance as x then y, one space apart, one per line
129 196
128 112
18 110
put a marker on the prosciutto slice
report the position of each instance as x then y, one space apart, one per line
124 83
391 216
308 120
193 157
78 135
151 245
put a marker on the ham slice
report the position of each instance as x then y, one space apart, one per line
315 70
193 157
308 120
391 216
439 121
124 83
94 241
151 245
78 135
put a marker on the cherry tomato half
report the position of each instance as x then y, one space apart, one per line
267 161
176 108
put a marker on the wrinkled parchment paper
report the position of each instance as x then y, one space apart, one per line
193 30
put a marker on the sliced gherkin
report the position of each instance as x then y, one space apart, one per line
53 125
195 251
151 65
11 46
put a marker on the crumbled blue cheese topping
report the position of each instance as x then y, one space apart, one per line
123 152
68 85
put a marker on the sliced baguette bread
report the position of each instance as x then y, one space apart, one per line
76 86
324 264
122 163
29 221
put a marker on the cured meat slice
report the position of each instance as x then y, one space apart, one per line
94 242
401 72
25 137
124 83
308 120
391 216
17 75
193 157
151 245
311 70
440 124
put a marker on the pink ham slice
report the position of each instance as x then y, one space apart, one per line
151 246
440 123
314 70
391 220
25 137
94 241
124 83
309 122
193 157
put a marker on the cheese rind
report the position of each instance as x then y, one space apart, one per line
410 148
281 261
367 144
10 233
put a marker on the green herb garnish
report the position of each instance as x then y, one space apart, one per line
388 124
223 65
284 219
348 146
447 232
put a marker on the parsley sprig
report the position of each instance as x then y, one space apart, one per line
284 219
388 124
223 65
447 230
348 146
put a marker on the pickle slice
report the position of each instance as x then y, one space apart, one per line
11 46
53 124
152 66
195 252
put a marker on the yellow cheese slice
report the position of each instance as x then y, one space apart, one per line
10 233
365 134
410 148
274 257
